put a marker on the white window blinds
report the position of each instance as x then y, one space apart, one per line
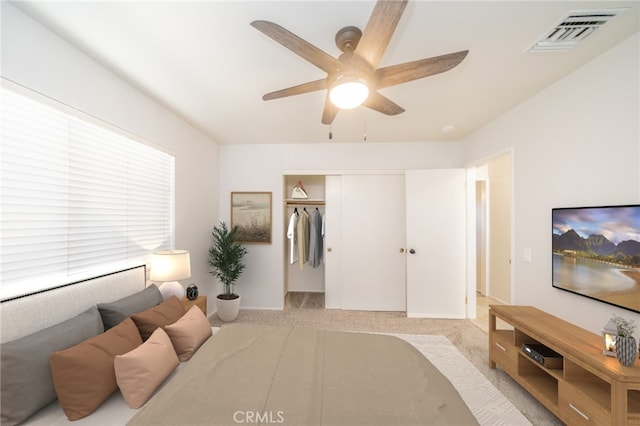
77 200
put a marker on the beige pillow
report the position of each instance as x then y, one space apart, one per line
83 375
189 333
163 314
141 371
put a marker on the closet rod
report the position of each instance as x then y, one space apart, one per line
304 202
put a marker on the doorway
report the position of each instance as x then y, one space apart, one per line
481 237
493 229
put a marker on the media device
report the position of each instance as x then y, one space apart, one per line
542 355
596 253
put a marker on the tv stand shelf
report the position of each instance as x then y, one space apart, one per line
589 388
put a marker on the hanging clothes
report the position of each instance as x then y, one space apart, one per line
302 228
292 236
315 239
324 224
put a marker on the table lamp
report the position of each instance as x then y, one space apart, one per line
168 267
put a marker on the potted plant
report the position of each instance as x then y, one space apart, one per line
225 259
626 346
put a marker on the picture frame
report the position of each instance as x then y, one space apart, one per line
251 213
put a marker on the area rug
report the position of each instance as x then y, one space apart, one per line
486 402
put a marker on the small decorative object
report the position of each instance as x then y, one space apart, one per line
626 350
299 192
626 345
192 292
609 333
225 259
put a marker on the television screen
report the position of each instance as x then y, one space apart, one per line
596 253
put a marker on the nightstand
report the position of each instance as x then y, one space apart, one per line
200 302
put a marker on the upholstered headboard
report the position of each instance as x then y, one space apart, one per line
28 314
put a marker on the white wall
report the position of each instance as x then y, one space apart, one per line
36 58
577 143
261 168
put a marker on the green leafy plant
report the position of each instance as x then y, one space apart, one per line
625 327
225 258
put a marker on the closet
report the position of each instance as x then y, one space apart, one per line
394 241
308 278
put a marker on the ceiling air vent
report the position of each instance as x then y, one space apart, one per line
574 27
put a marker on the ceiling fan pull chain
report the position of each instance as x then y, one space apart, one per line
330 124
364 132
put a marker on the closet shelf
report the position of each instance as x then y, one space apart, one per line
303 202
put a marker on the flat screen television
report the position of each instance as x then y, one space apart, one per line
596 253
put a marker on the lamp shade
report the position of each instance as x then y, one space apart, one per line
168 267
349 91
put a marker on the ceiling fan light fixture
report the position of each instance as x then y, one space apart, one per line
349 92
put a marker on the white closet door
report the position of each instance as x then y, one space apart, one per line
436 233
332 238
372 235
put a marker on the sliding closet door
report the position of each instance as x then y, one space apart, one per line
372 236
436 243
332 238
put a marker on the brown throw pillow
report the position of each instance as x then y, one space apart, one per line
189 333
141 371
83 375
165 313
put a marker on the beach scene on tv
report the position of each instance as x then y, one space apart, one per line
596 253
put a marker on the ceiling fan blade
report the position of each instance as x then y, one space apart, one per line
301 47
377 34
311 86
330 111
409 71
382 104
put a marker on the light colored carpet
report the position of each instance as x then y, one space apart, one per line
486 402
471 341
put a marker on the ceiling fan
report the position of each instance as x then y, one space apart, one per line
356 71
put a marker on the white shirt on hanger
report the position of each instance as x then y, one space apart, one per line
293 240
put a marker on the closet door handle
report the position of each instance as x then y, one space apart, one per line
401 250
412 251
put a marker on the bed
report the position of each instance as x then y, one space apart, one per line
246 373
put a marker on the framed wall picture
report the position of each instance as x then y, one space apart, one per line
251 213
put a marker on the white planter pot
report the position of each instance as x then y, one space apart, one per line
228 309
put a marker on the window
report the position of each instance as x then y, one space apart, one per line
76 200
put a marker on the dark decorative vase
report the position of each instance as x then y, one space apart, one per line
626 350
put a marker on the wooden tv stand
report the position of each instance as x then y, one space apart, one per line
589 388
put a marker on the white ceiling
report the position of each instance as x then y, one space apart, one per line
207 64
